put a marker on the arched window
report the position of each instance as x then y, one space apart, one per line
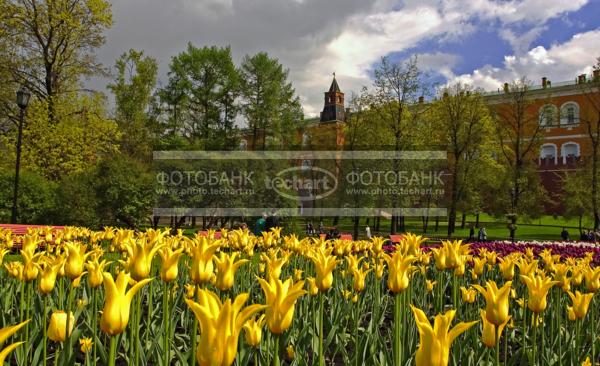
569 151
548 115
569 113
548 154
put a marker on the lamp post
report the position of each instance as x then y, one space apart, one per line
22 101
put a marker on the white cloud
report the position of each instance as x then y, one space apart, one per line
314 38
560 62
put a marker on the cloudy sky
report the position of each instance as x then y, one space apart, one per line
481 42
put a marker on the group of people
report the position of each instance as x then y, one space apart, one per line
590 235
266 222
481 234
332 233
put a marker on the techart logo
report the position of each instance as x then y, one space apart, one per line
303 184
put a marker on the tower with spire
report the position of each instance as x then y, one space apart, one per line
333 110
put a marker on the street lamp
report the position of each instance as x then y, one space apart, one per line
22 101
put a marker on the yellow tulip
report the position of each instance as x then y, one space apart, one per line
400 269
15 270
489 334
527 267
561 272
297 274
478 266
592 279
587 362
538 287
429 284
289 350
274 263
220 326
468 295
5 333
280 300
379 267
201 269
359 278
95 271
377 244
435 341
439 256
170 260
581 303
58 326
253 331
85 344
226 268
115 315
324 264
48 275
507 268
140 253
76 255
410 244
313 289
190 291
496 301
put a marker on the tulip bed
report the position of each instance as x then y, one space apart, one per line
156 298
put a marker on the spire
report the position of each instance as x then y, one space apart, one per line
333 109
334 86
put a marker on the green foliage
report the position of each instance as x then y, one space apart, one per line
272 110
200 96
77 203
81 136
133 87
36 197
124 192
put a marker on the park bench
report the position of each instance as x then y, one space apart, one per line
205 233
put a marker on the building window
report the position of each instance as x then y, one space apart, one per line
569 113
570 152
548 115
548 154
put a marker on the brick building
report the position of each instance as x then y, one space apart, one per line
559 110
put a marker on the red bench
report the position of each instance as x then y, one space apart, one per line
395 239
17 229
205 233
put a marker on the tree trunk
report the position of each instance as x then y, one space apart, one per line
463 221
595 186
356 223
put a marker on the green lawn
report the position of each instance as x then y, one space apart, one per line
544 228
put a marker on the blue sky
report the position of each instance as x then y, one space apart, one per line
479 42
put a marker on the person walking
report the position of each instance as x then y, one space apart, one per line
564 234
368 232
260 225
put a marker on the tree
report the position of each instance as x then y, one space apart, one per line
464 119
37 197
397 87
519 132
133 87
201 92
81 136
52 43
124 192
269 102
590 117
576 193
